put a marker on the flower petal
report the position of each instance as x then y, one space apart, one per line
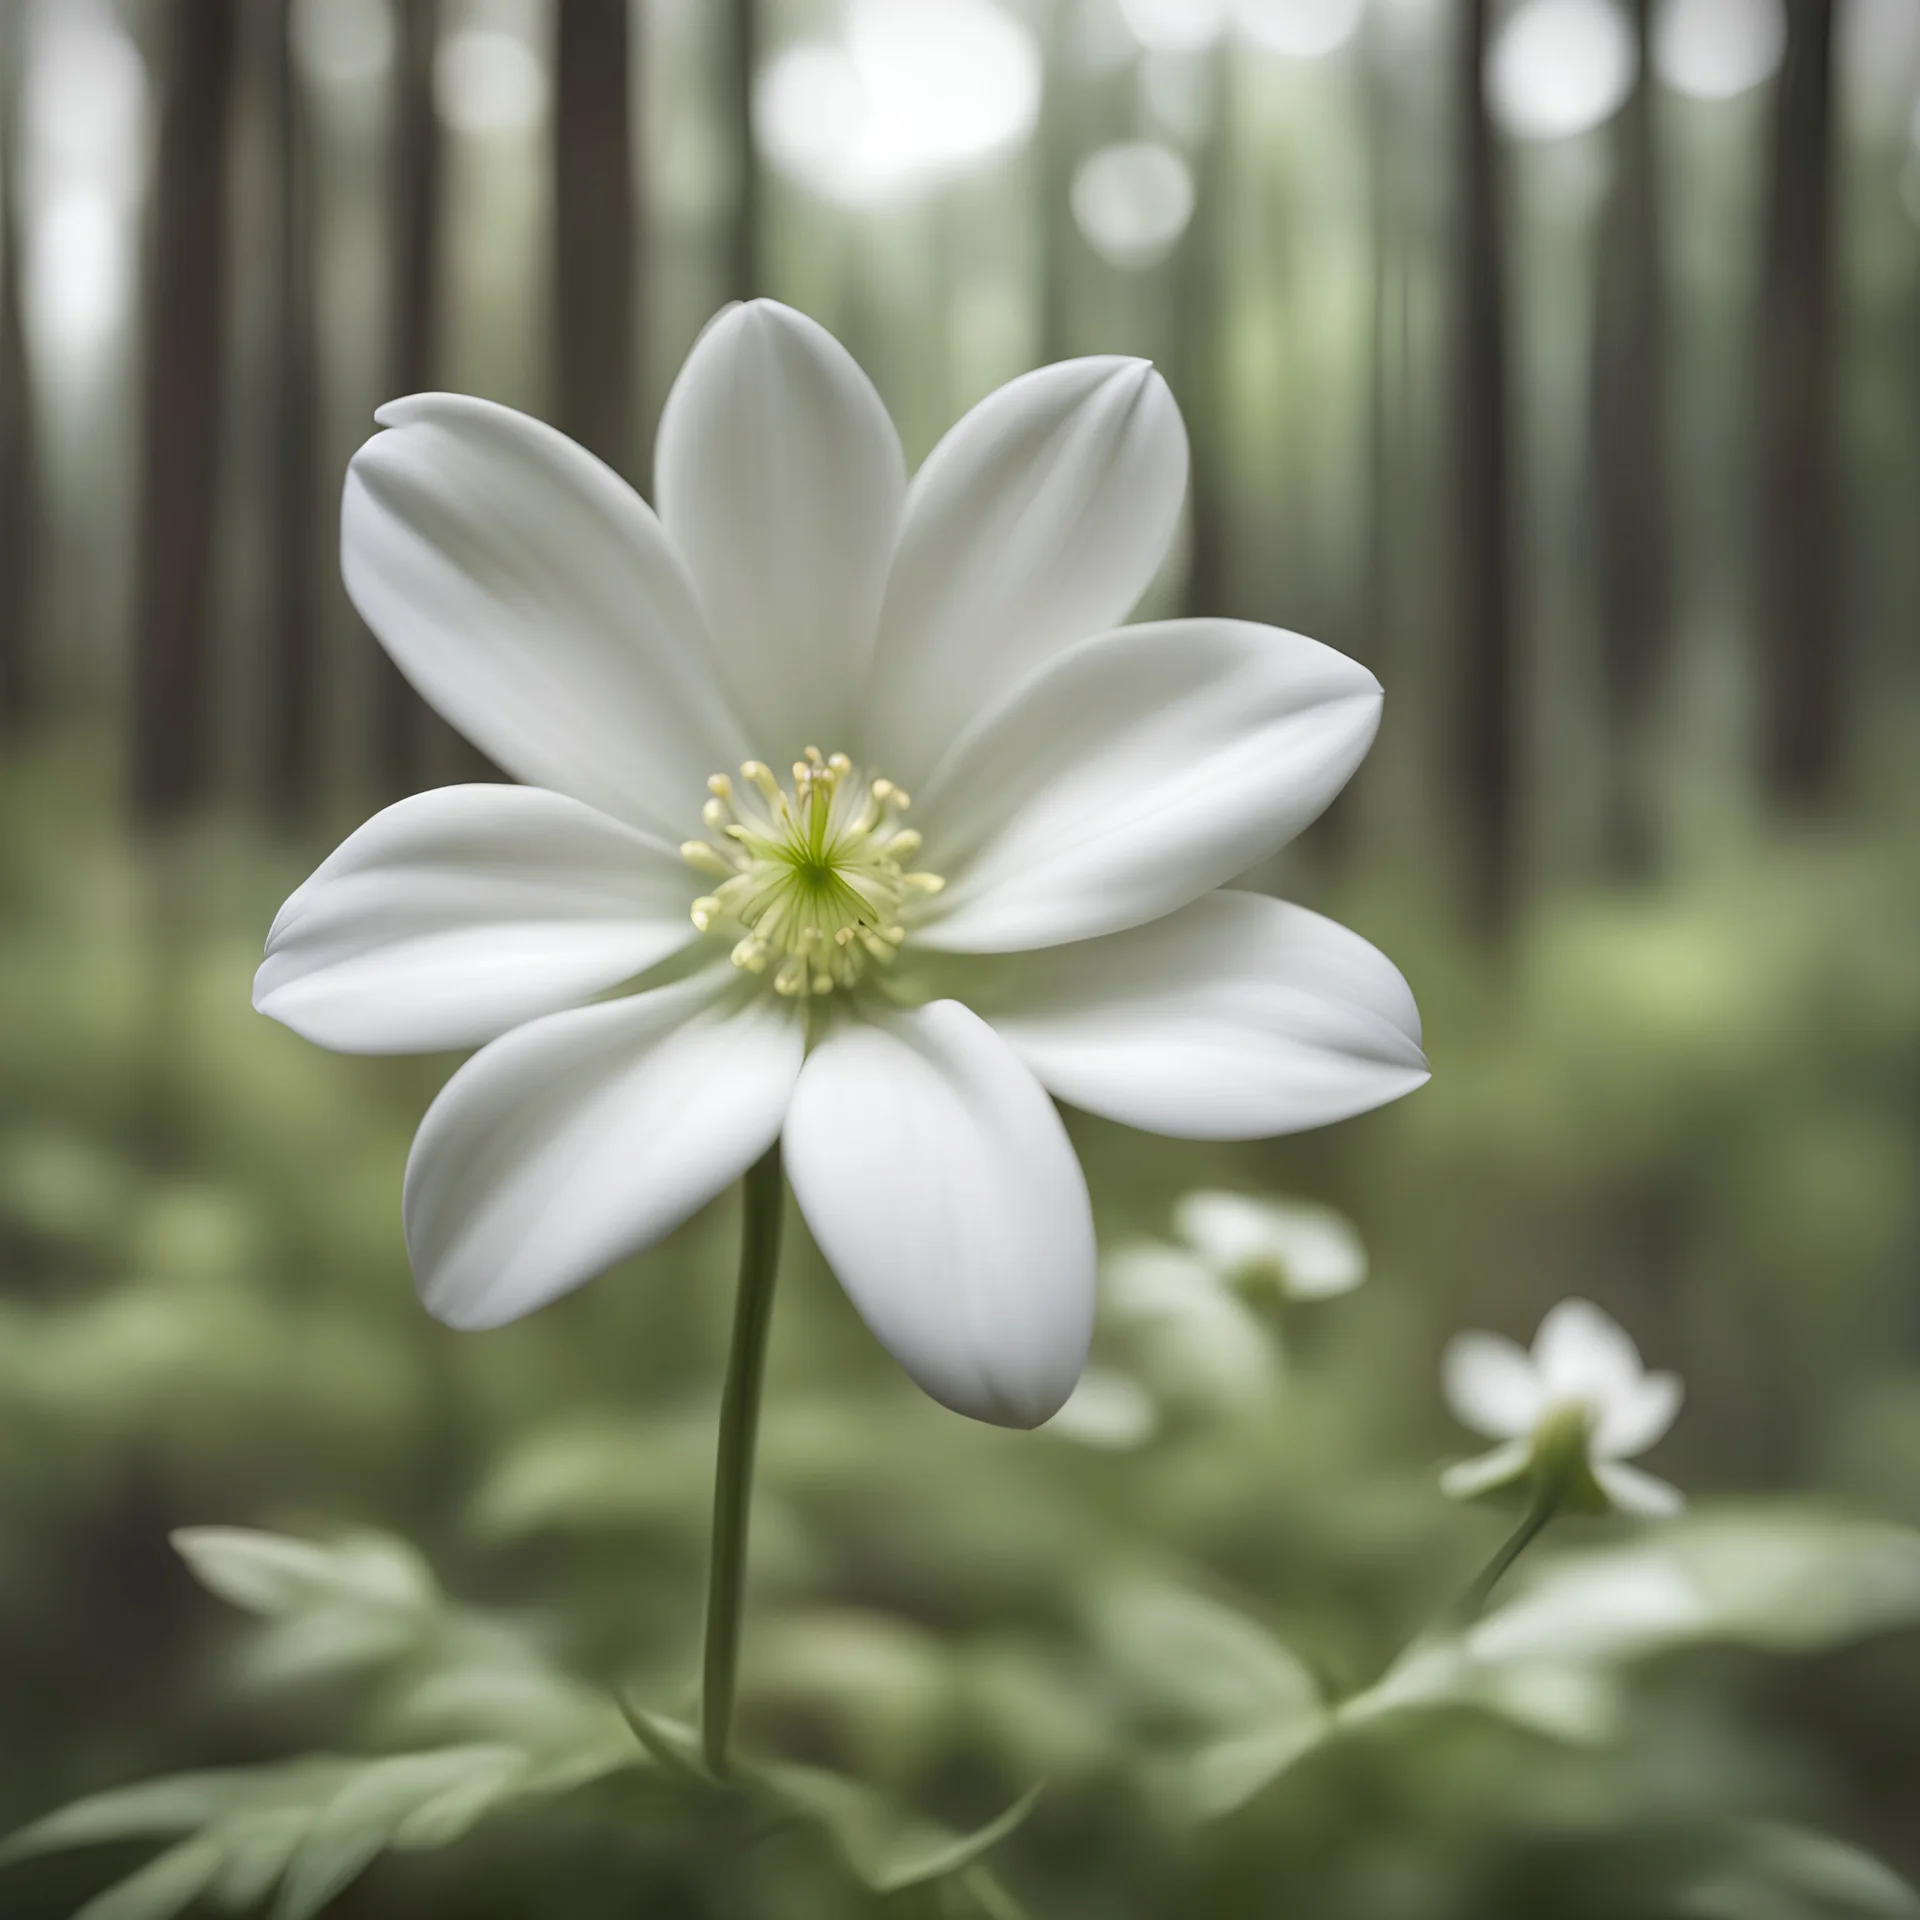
530 595
459 913
589 1135
1584 1354
1308 1252
1491 1386
939 1183
1634 1422
1638 1493
1236 1018
1039 519
780 478
1486 1472
1140 770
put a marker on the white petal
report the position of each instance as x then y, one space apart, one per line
1109 1410
780 477
530 595
1638 1493
942 1188
1140 770
1634 1422
589 1135
1491 1386
459 913
1236 1018
1584 1354
1038 520
1468 1479
1191 1331
1309 1252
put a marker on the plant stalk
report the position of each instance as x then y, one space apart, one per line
763 1193
1538 1517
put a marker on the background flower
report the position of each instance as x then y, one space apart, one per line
1581 1389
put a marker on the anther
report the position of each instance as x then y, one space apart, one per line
706 859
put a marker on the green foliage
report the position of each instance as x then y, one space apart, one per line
1192 1620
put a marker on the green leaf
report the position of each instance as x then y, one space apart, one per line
178 1804
258 1847
886 1848
1797 1875
270 1573
672 1744
369 1811
1220 1778
1201 1662
162 1888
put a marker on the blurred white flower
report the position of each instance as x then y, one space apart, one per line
1085 792
1307 1252
1108 1410
1579 1405
1191 1334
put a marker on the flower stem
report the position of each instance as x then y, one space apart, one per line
1538 1517
763 1193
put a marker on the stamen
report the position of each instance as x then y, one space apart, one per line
814 881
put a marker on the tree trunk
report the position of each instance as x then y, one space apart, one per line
743 61
1483 595
595 221
1803 701
1631 497
186 334
402 721
293 681
19 492
1196 297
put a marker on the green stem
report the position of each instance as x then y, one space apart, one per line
763 1193
1545 1505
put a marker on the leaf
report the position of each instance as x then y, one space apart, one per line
160 1889
458 1808
1203 1662
364 1817
258 1847
672 1744
1218 1779
271 1573
886 1848
1796 1875
178 1804
1781 1578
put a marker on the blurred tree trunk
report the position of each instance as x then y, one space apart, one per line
1803 701
1056 139
185 362
743 62
1483 590
595 220
19 490
403 724
1196 299
293 681
1631 496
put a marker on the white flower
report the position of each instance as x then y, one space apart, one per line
1580 1404
1083 791
1307 1252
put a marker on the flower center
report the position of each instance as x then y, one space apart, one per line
815 878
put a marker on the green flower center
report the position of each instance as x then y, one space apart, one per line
814 878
